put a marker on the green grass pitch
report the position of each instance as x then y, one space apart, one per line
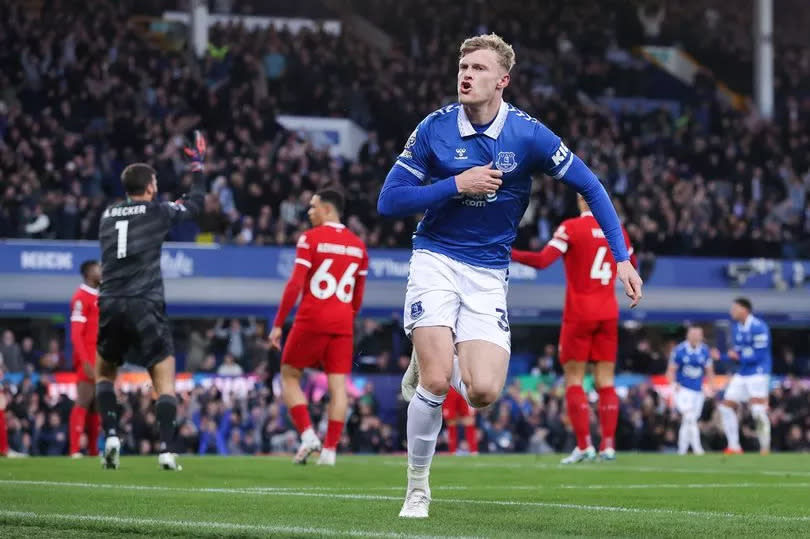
486 496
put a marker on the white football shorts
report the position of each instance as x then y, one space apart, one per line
689 402
470 300
742 388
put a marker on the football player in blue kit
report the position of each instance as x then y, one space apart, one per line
689 362
468 167
751 347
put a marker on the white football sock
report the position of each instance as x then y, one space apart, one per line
697 446
424 424
683 436
760 413
730 426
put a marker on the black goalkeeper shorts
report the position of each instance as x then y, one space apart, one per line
134 330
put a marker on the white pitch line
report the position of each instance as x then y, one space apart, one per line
207 525
599 467
541 487
579 507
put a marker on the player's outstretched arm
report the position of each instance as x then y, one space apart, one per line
191 205
576 174
539 260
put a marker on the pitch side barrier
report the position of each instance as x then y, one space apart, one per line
38 277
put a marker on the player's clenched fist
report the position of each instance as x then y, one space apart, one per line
481 180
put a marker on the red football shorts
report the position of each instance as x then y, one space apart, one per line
307 349
589 340
455 406
81 376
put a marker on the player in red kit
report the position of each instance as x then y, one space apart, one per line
84 416
457 412
331 265
590 324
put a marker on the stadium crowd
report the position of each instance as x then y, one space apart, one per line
212 422
83 93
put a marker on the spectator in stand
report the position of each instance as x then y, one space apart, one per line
230 367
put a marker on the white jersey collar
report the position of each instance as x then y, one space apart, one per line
335 225
465 127
89 289
586 214
748 320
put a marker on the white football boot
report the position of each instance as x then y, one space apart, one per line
310 443
112 452
580 455
327 457
410 379
417 496
608 454
168 461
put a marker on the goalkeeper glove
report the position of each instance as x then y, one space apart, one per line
196 153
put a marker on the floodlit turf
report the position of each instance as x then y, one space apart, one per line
503 496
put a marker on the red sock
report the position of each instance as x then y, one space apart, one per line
608 416
452 438
300 417
472 438
93 425
333 432
579 415
78 416
3 433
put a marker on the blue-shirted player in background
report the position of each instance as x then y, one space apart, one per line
468 167
689 362
752 348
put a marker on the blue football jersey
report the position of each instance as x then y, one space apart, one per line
480 229
692 364
752 342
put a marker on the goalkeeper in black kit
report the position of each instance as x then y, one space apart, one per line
132 306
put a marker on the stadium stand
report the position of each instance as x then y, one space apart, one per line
704 180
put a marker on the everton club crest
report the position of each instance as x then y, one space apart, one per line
506 162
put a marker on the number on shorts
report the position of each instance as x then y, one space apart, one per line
323 284
600 270
503 323
122 227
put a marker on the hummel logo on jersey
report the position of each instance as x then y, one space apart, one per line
561 154
506 162
461 153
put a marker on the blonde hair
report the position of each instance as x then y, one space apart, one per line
492 42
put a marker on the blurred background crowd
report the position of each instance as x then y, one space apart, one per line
210 422
83 93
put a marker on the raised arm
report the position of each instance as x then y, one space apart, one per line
191 205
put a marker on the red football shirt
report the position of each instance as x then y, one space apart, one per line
331 264
590 270
84 325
